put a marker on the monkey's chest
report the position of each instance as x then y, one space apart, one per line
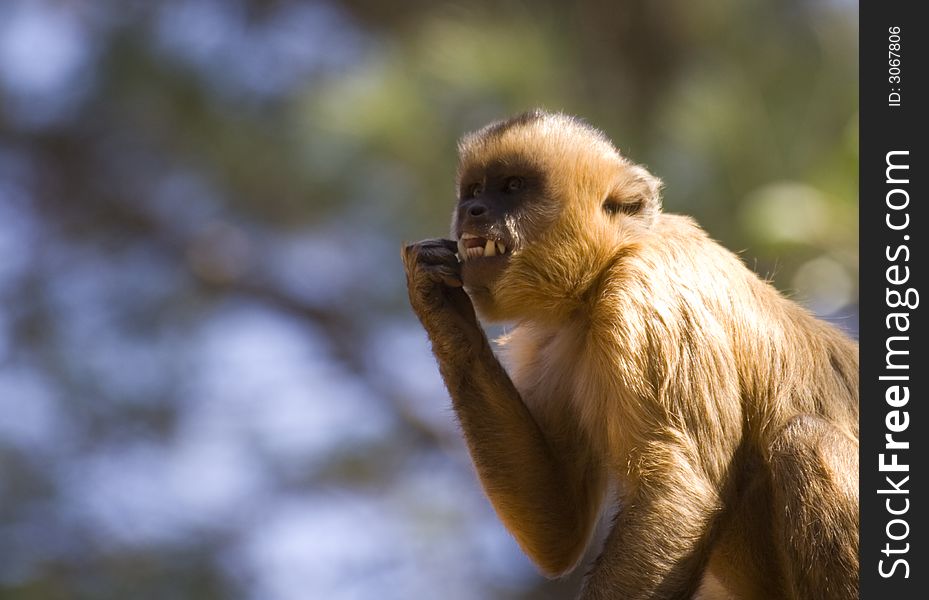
568 394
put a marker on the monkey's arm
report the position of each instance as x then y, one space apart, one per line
660 540
547 496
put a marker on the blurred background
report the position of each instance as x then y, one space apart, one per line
211 385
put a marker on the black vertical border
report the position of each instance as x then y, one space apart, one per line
884 128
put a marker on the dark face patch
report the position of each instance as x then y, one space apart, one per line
492 199
486 197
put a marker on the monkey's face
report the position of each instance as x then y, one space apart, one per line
541 198
496 204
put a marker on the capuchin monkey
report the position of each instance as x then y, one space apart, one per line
643 357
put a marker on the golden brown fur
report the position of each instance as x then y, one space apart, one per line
646 355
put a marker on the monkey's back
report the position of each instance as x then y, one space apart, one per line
680 330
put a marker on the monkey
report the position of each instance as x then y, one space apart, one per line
646 368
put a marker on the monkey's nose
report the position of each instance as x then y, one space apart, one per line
477 210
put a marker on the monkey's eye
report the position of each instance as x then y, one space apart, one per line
513 184
612 206
475 190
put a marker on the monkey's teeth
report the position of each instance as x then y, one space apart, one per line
489 249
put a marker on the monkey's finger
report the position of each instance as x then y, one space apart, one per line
436 254
429 248
438 247
450 245
447 275
435 245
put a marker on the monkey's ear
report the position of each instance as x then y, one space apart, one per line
635 192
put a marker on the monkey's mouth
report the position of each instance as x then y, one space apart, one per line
483 260
471 246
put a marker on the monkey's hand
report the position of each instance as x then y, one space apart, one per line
522 474
433 279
